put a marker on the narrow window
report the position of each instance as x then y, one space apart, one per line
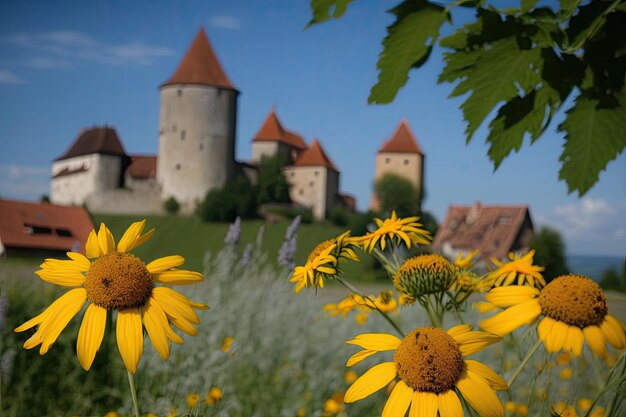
183 134
180 92
201 146
387 160
317 173
311 184
178 167
174 128
406 162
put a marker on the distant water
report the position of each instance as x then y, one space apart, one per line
594 266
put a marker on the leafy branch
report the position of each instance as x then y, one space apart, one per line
523 63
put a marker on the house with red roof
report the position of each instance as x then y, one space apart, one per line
492 230
400 155
42 228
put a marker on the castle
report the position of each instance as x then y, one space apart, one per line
197 135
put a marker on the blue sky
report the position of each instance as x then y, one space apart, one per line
68 65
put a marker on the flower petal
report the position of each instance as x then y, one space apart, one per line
92 248
472 342
178 277
371 381
90 335
399 401
376 341
596 340
459 330
129 337
80 259
105 240
64 278
575 340
511 295
557 336
155 322
165 263
425 404
65 264
614 332
359 356
512 318
449 404
494 380
479 395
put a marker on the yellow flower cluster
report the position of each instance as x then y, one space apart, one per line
384 302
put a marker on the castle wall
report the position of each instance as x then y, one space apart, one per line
91 174
309 188
197 141
332 190
143 185
405 165
269 148
125 201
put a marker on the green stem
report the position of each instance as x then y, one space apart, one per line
523 363
378 254
365 297
432 314
133 392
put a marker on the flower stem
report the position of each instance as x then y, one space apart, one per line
355 291
133 392
523 363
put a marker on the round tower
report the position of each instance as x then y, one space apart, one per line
197 127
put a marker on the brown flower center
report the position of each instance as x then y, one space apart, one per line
575 300
319 249
118 281
429 359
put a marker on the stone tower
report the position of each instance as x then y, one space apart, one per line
197 127
400 155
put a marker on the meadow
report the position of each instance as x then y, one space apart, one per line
261 350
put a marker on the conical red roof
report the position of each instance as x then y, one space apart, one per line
315 156
272 130
200 66
402 141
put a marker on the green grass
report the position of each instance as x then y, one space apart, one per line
191 238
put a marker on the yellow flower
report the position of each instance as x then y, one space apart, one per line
345 306
361 318
151 415
112 414
584 404
566 373
522 410
406 230
465 262
431 366
301 412
111 279
510 407
173 412
333 405
227 343
563 358
563 410
214 395
424 274
350 377
521 268
598 412
192 400
573 307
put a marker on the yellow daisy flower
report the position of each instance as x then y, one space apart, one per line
521 268
431 366
406 230
573 307
193 399
563 410
214 395
111 279
227 343
322 262
465 262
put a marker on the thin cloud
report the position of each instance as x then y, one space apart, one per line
590 225
225 22
23 181
7 77
61 49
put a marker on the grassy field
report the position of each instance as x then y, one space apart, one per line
191 238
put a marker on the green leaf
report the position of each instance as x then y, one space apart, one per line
515 119
326 9
596 134
497 76
568 6
527 5
407 45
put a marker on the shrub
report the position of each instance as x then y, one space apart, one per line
171 206
236 199
397 193
339 216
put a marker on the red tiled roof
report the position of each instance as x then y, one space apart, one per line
101 140
315 156
402 141
43 226
142 166
66 171
272 131
200 66
490 229
348 200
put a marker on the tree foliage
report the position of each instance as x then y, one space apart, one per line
272 186
522 64
171 206
397 193
224 205
549 253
